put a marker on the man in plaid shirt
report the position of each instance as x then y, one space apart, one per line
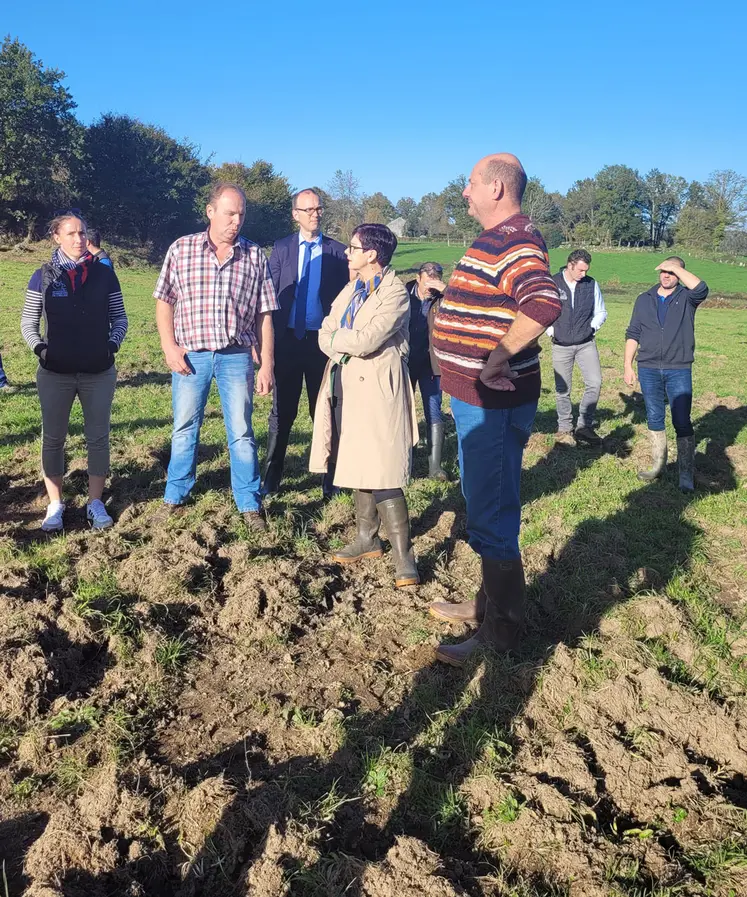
214 312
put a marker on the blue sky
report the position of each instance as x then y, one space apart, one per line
409 95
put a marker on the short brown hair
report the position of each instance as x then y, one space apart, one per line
294 198
219 188
514 177
676 258
579 255
432 269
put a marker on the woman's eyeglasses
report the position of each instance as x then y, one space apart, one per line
352 248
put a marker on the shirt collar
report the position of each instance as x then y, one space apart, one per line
207 242
317 240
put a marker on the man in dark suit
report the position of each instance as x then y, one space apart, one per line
308 270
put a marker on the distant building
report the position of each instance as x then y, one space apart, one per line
397 227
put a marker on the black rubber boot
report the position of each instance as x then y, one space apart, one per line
686 462
396 519
469 612
274 469
504 612
658 440
366 543
436 447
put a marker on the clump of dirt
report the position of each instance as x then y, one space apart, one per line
409 870
25 679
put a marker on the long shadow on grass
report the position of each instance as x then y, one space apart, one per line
445 722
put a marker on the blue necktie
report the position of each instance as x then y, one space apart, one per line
299 327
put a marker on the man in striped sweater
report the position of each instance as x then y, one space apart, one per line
499 300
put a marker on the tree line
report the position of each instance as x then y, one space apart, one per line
144 188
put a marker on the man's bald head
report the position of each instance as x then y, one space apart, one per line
505 167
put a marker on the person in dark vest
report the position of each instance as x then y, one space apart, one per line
662 333
80 303
425 293
573 343
94 247
308 270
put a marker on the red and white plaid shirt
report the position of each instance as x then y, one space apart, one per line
215 304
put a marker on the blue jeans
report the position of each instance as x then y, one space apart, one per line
675 386
234 373
491 447
3 378
430 390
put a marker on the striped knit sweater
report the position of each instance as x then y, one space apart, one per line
504 271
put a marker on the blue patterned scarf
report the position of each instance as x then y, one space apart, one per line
363 289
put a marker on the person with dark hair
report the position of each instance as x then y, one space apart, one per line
573 342
662 333
94 247
365 424
80 302
425 293
499 301
214 307
308 270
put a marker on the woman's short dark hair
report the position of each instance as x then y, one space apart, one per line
379 238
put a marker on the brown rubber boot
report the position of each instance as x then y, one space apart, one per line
504 612
393 512
686 462
470 613
658 440
366 543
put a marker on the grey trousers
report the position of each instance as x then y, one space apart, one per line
587 358
57 393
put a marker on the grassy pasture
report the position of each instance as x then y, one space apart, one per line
193 709
618 267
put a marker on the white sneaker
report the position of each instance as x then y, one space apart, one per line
97 516
53 521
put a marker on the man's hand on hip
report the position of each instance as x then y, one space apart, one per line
264 381
497 374
176 359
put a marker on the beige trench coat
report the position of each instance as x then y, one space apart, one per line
379 422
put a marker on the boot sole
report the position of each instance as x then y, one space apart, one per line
369 554
403 583
447 658
470 621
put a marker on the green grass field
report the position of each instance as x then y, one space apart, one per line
615 267
195 709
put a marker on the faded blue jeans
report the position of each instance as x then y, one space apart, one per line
233 371
491 448
673 385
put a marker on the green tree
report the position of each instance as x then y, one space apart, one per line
432 216
726 193
580 212
377 209
457 210
407 208
620 197
138 183
696 227
268 199
39 136
661 200
344 207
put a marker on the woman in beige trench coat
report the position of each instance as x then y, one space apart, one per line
365 425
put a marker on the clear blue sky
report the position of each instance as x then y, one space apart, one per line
410 94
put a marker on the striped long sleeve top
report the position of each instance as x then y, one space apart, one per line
506 270
33 307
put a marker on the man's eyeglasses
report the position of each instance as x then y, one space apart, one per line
317 210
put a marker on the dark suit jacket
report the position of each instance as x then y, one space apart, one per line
284 271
